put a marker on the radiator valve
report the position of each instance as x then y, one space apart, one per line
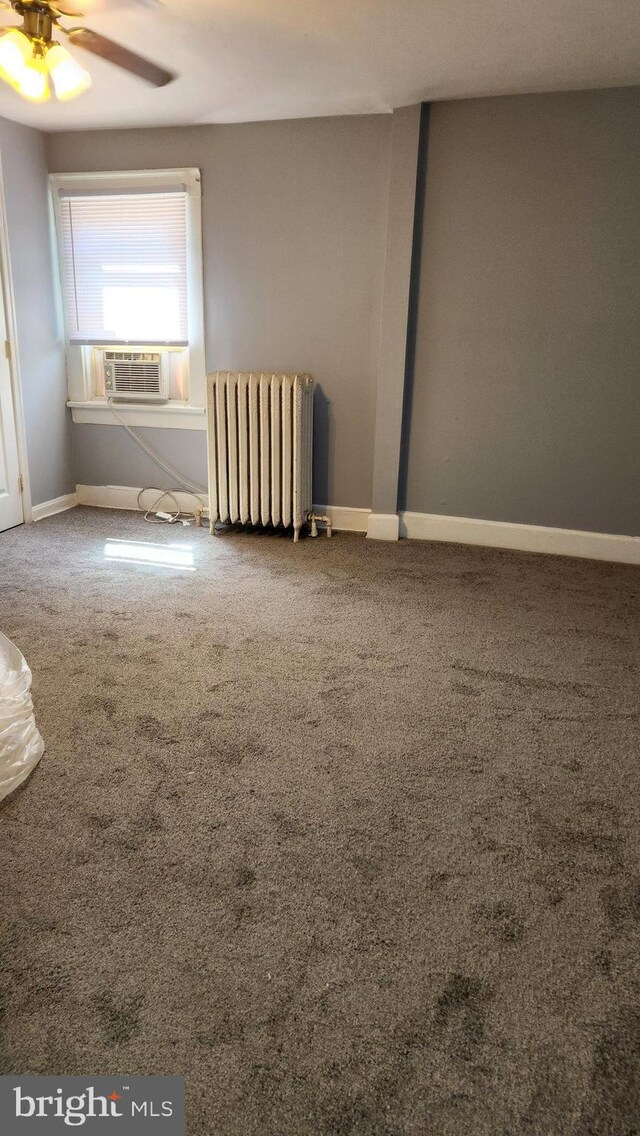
314 517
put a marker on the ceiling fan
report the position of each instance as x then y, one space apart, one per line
30 57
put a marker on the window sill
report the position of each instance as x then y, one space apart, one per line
172 416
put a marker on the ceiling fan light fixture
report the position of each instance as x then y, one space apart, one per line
23 66
33 83
15 49
68 77
36 65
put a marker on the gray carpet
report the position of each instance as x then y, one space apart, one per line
346 832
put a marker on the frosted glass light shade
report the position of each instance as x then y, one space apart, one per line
21 67
33 82
68 77
15 49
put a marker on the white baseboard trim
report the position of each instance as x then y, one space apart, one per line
126 497
523 538
57 505
383 526
345 519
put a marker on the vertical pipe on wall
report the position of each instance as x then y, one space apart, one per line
392 357
412 320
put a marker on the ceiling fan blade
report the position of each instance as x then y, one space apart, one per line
84 8
120 56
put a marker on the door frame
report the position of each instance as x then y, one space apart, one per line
6 281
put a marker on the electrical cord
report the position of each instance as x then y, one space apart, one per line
190 487
184 481
176 514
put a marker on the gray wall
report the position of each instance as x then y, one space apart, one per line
524 404
294 218
40 349
104 455
526 389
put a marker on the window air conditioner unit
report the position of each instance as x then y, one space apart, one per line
139 375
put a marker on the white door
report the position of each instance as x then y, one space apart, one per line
10 494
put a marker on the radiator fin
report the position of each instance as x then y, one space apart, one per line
232 446
276 468
242 390
287 446
265 452
221 419
254 453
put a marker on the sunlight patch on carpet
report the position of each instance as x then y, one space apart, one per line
176 555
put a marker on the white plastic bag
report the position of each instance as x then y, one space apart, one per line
21 746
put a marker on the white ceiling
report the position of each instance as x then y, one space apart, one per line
245 60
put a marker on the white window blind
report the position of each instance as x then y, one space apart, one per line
125 267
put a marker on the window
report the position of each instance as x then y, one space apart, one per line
125 267
129 246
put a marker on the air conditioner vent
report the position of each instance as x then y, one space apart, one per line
134 374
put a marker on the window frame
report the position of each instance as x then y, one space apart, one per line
85 405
